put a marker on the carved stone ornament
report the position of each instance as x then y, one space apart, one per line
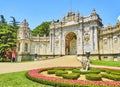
115 40
105 41
86 36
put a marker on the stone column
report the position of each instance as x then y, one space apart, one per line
63 44
79 43
96 39
91 38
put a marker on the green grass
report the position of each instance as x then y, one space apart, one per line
105 63
18 79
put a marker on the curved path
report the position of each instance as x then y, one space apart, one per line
61 61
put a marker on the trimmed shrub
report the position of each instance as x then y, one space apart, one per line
59 82
91 71
56 84
111 76
71 76
51 71
60 72
76 71
113 72
93 77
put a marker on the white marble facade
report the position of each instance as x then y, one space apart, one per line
73 35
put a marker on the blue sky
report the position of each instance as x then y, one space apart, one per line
37 11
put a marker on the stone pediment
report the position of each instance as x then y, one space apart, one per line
70 23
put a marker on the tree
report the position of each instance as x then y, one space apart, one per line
8 38
42 29
14 22
2 19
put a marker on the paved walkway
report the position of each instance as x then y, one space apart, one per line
61 61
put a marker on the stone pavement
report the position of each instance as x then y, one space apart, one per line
61 61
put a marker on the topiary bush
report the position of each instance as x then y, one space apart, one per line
113 72
51 71
93 77
91 71
76 71
60 72
71 76
111 76
60 82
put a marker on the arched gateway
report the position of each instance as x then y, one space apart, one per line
71 43
72 35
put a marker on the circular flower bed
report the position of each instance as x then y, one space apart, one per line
59 82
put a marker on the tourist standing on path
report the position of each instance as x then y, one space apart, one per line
13 55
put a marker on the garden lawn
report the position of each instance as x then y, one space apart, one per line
18 79
105 63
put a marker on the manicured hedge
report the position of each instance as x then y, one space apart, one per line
113 72
93 77
59 82
71 76
56 84
76 71
51 71
60 72
91 71
111 76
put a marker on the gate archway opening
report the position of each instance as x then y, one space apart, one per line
71 44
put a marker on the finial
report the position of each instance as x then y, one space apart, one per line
24 23
118 21
109 24
77 13
52 22
93 11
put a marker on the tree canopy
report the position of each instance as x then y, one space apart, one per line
8 37
42 29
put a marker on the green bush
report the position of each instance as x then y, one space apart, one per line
93 77
60 72
71 76
76 71
58 84
111 76
51 71
55 84
113 72
91 71
95 71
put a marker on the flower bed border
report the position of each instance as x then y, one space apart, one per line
36 76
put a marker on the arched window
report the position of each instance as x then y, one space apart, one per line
26 47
